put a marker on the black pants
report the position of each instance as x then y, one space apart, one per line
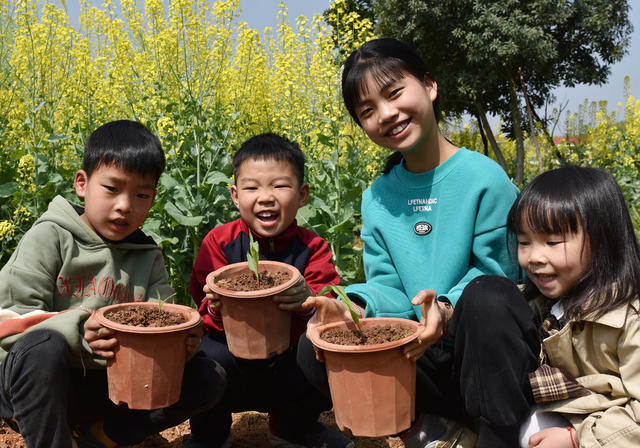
42 392
478 373
275 385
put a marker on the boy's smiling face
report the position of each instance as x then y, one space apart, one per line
116 201
268 195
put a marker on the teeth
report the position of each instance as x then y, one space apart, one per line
399 128
266 215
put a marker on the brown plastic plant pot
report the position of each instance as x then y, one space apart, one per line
372 386
254 325
146 372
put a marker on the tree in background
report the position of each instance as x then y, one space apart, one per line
505 57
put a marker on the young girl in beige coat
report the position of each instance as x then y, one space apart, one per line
576 243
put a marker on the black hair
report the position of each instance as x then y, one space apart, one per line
125 144
565 200
385 60
270 146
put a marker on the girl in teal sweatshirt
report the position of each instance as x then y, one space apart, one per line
433 223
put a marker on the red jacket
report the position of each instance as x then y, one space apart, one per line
229 243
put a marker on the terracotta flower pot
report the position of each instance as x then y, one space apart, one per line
372 386
254 326
146 372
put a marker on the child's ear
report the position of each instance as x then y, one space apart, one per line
80 183
304 194
234 195
432 87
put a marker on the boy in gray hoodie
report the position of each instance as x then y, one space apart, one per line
73 261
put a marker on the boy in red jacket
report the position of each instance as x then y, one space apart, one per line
269 188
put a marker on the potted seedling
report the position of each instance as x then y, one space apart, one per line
146 371
254 325
372 384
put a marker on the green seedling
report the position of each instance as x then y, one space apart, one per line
253 257
162 302
344 298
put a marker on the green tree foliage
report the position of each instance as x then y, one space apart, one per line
493 56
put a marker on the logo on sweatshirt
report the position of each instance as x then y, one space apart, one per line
422 228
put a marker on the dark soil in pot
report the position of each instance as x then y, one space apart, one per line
246 281
145 317
378 334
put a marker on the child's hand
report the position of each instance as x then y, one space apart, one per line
327 310
192 341
292 298
214 299
556 437
100 339
435 316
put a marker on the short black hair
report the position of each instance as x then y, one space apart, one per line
270 146
566 200
126 144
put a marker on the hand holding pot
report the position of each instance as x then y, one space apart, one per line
215 302
100 338
327 310
435 316
291 299
192 341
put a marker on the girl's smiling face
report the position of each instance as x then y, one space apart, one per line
397 113
553 262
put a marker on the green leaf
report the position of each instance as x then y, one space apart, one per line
253 256
8 189
56 138
168 182
217 177
344 298
162 302
188 221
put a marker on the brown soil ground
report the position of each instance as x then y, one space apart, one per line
249 430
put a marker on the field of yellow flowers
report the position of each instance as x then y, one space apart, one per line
204 82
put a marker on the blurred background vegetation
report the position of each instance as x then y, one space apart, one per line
204 82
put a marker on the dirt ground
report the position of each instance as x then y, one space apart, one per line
249 430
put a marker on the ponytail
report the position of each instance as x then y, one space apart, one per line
394 159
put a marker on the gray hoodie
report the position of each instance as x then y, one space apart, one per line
62 271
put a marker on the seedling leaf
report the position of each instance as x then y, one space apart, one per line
253 257
162 302
344 298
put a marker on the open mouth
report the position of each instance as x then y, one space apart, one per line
119 224
267 217
398 128
545 278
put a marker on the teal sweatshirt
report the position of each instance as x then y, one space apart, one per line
62 271
435 230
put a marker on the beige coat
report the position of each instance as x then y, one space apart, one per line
604 356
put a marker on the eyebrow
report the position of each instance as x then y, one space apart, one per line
119 180
382 86
251 179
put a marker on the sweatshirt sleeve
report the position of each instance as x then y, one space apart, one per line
27 294
29 278
383 285
489 253
210 257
